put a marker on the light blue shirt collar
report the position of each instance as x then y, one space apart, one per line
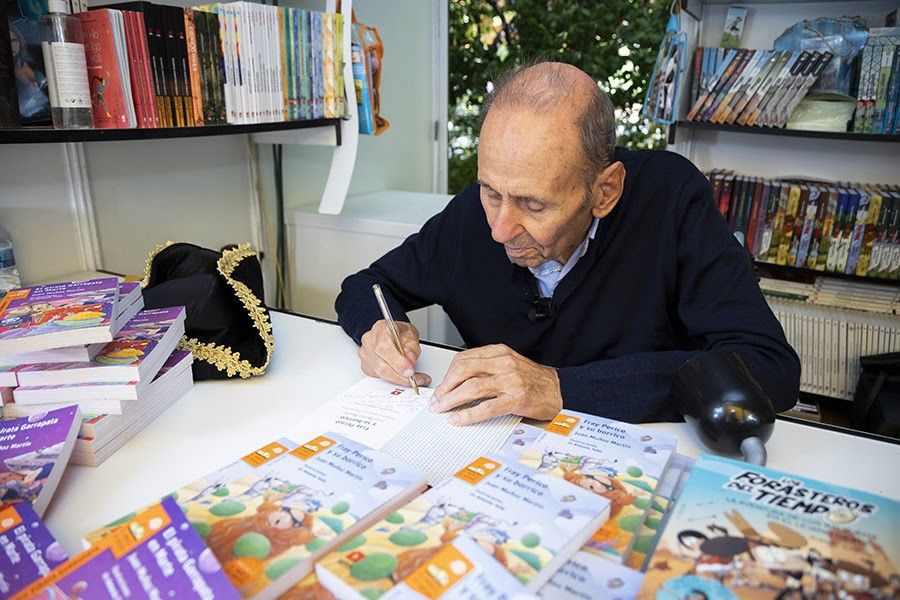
550 273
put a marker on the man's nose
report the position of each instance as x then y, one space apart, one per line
506 225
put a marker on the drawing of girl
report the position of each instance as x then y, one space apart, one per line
285 527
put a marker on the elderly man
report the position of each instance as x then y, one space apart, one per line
580 275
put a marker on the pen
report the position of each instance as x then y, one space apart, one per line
379 296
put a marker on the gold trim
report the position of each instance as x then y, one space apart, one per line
222 357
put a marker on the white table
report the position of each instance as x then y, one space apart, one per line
218 422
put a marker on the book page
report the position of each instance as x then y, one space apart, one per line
371 413
396 420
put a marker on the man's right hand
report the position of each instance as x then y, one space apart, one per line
378 356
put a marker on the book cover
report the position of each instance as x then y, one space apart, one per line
589 577
58 314
769 89
269 515
136 353
619 461
734 27
193 62
530 522
155 554
28 60
856 233
831 212
743 531
868 234
29 549
105 78
34 452
461 570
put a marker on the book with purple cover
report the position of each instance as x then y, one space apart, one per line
57 315
29 549
155 554
136 353
34 452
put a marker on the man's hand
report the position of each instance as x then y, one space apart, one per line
512 383
379 357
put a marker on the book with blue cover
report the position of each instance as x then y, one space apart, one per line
744 531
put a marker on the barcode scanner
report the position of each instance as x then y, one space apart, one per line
725 405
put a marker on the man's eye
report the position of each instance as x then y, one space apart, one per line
534 207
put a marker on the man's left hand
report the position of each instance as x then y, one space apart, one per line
511 383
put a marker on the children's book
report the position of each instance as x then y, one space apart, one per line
588 576
398 421
270 515
34 452
135 354
743 531
57 315
461 570
154 554
29 550
734 27
530 522
619 461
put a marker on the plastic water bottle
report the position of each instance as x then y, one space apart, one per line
9 276
65 64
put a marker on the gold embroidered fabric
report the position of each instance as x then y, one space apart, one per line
220 356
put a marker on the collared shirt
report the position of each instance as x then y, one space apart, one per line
550 273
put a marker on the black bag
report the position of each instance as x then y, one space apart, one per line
227 326
876 403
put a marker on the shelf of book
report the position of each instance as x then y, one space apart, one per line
828 135
808 275
45 135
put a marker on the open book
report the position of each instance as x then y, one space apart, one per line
397 421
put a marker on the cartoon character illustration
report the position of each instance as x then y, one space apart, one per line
285 527
600 484
31 83
97 99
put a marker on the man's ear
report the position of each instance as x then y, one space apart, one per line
607 189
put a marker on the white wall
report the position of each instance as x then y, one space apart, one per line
198 190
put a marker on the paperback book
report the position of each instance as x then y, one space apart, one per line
57 315
587 576
743 531
34 452
135 354
153 554
619 461
530 522
29 549
270 515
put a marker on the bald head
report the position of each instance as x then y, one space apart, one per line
564 94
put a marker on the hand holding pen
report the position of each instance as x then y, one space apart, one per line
391 348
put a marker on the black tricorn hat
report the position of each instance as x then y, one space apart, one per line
227 326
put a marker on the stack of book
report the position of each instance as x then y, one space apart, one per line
752 87
152 65
852 229
119 385
878 95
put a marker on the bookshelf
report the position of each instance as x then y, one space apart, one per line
794 154
821 135
330 129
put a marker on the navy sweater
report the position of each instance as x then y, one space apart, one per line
663 279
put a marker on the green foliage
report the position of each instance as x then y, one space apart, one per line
531 539
642 543
201 528
335 524
371 593
352 544
614 41
653 522
407 537
221 492
634 471
659 507
531 559
641 503
280 567
640 484
252 544
630 522
340 508
315 543
227 508
124 519
395 518
375 566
